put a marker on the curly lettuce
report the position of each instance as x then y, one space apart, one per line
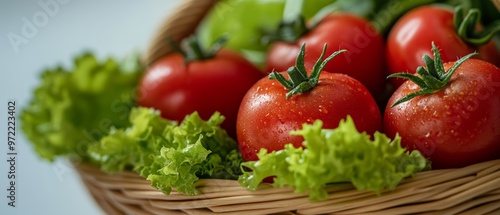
335 155
73 108
168 154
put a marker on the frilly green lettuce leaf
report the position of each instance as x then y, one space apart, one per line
170 155
73 108
335 155
126 149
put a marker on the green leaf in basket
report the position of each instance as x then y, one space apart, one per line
335 155
245 22
170 155
74 107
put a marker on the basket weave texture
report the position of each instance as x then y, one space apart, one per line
473 190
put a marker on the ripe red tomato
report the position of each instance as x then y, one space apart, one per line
411 38
456 126
177 88
363 61
266 115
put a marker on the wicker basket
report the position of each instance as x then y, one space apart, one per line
474 189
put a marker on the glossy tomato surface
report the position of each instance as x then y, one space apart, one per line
412 36
364 60
266 116
456 126
177 88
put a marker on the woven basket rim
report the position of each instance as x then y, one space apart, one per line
475 188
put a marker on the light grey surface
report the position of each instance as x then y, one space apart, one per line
45 38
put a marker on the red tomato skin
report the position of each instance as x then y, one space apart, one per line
266 116
177 89
412 36
363 62
455 127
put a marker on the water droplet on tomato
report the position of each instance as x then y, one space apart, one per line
439 134
322 109
453 133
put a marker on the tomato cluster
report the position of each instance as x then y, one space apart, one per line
449 110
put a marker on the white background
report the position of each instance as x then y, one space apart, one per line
107 28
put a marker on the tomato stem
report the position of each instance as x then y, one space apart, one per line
287 31
193 51
432 78
465 26
299 81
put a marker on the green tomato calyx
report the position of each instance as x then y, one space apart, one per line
432 78
192 50
465 26
299 81
288 31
